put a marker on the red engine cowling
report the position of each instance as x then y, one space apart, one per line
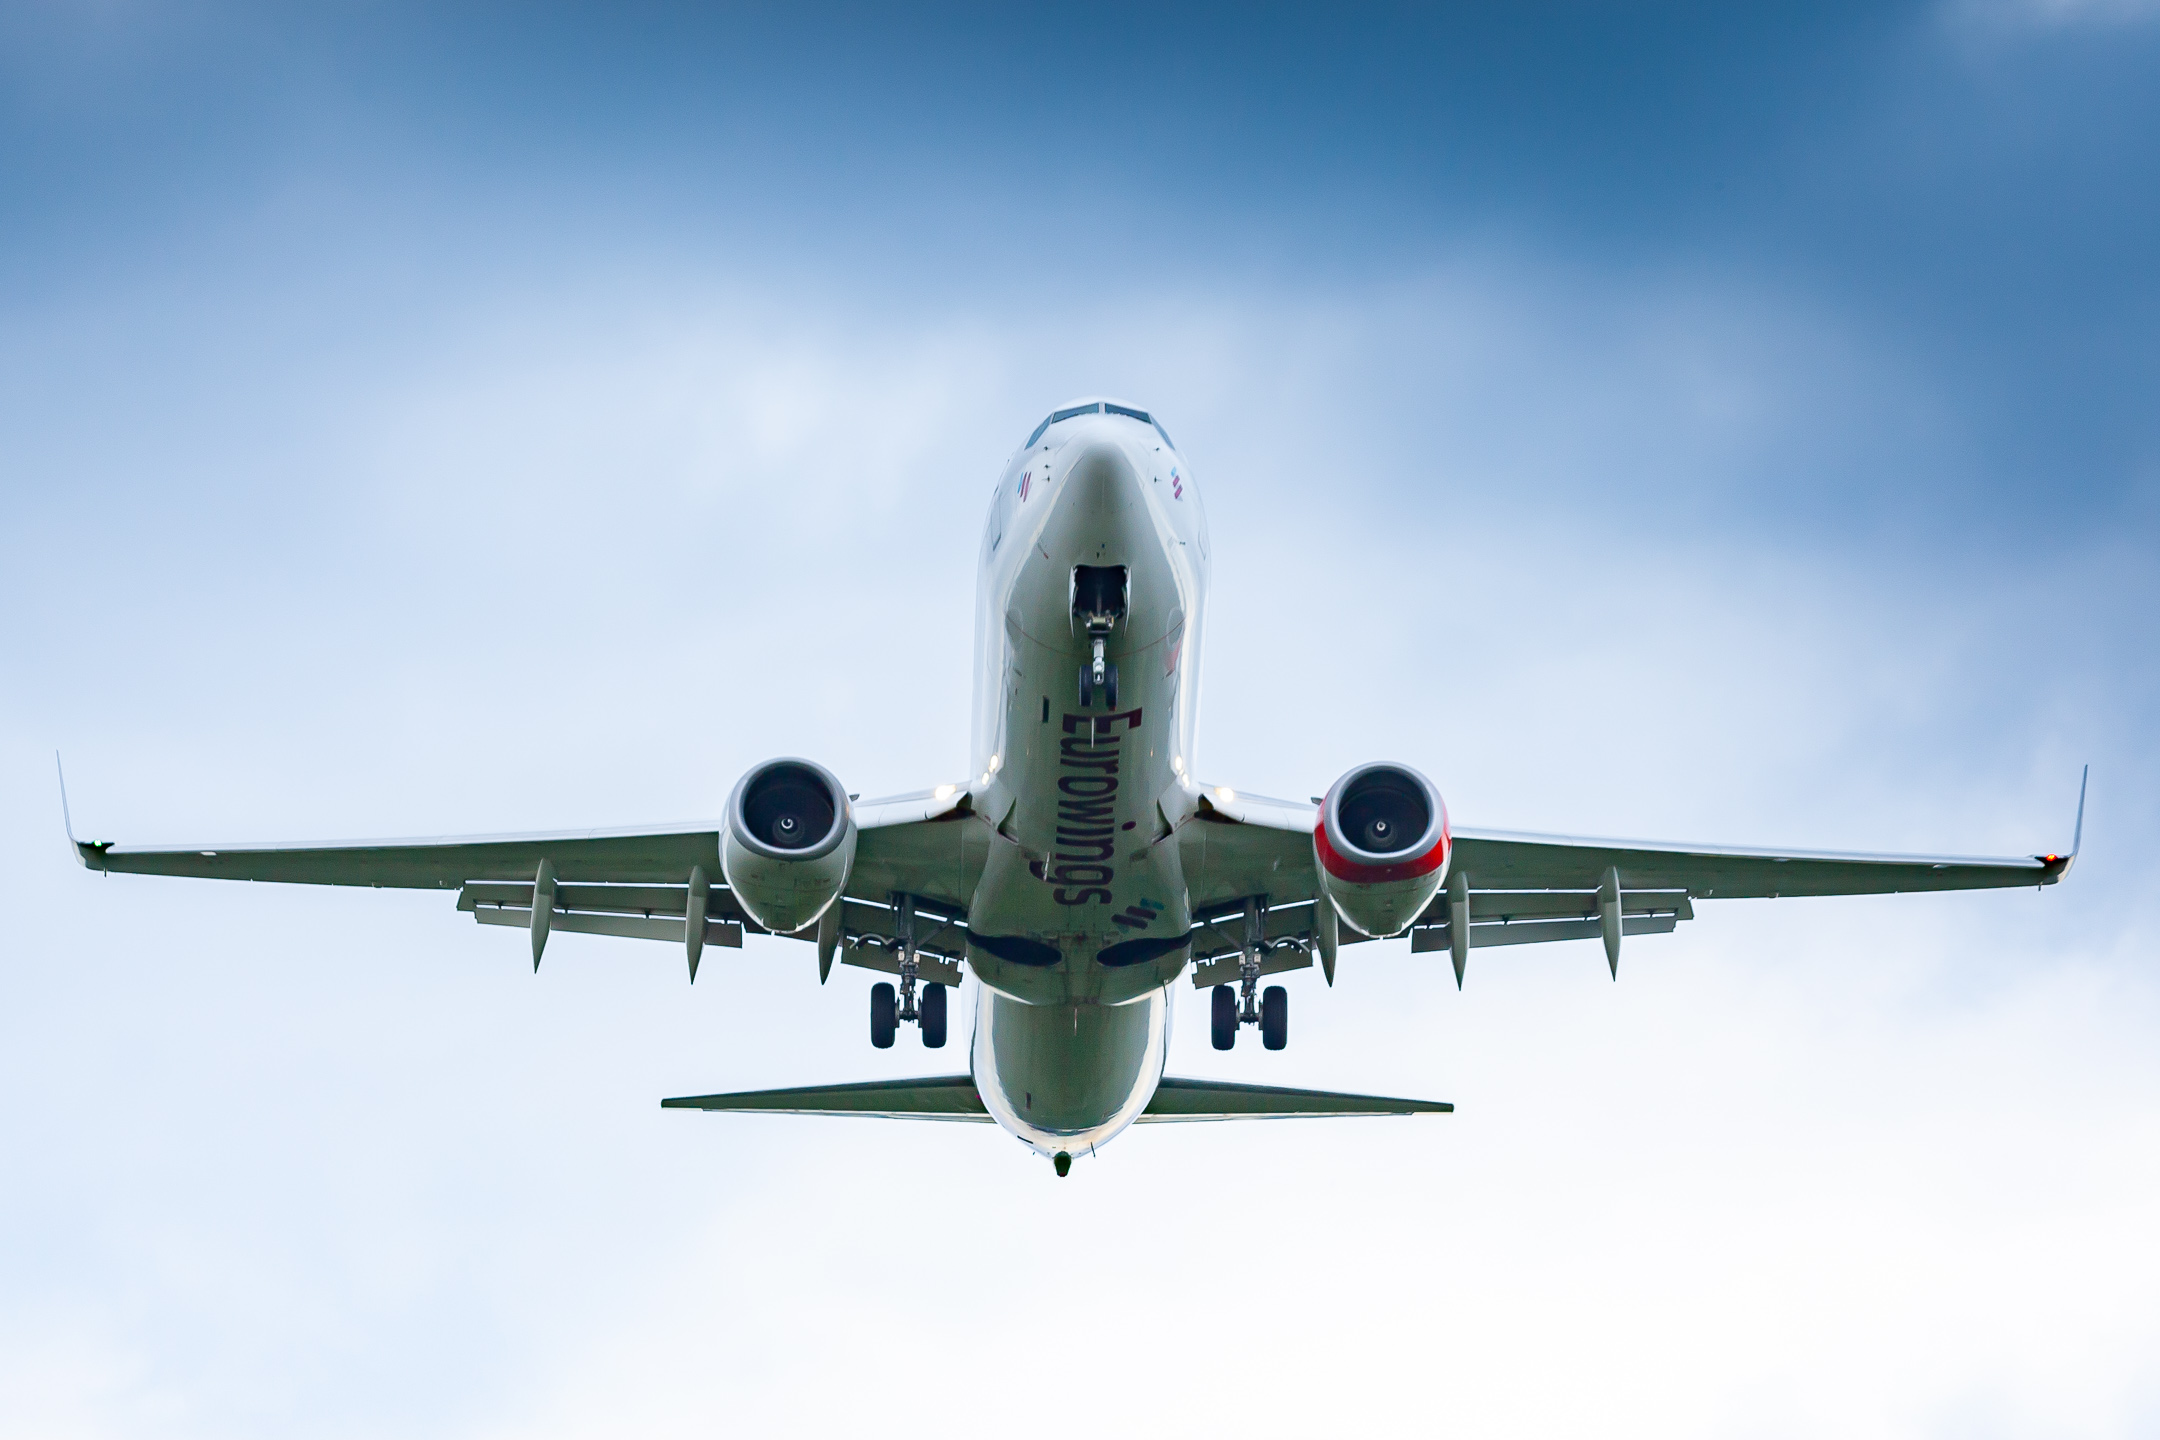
1381 847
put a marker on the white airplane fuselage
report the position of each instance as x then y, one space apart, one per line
1078 919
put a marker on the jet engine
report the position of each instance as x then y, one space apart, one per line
788 843
1381 847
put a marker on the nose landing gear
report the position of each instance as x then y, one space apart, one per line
1098 677
1098 603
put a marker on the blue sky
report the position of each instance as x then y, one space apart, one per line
1733 425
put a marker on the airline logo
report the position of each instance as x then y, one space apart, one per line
1025 477
1087 825
1177 484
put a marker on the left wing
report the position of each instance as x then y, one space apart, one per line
636 882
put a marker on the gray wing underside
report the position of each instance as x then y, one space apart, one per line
657 855
1511 860
629 882
1527 888
954 1097
1523 888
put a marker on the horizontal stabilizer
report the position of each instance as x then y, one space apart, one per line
935 1097
954 1097
1220 1100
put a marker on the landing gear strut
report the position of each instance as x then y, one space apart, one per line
904 929
1249 963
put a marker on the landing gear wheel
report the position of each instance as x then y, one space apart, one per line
1223 1029
932 1020
884 1015
1088 687
1275 1017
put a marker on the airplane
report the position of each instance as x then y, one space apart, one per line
1083 868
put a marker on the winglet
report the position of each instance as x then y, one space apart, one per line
2077 836
2059 865
83 851
67 821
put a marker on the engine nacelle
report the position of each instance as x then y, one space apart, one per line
1381 847
788 843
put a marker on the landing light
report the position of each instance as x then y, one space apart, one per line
1225 793
943 792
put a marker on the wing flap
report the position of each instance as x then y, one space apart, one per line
1425 938
635 927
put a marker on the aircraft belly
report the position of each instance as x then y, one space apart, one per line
1082 870
1077 922
1068 1077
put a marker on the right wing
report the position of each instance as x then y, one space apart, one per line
1520 888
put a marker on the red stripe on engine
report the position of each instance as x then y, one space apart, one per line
1334 863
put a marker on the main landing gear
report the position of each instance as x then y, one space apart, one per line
1273 1017
1231 1008
886 1014
888 1007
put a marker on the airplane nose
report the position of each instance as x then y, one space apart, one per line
1101 488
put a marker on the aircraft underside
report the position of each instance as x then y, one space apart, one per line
1082 869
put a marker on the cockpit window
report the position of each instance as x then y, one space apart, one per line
1144 418
1057 416
1100 408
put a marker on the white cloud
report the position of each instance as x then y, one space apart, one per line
335 1162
